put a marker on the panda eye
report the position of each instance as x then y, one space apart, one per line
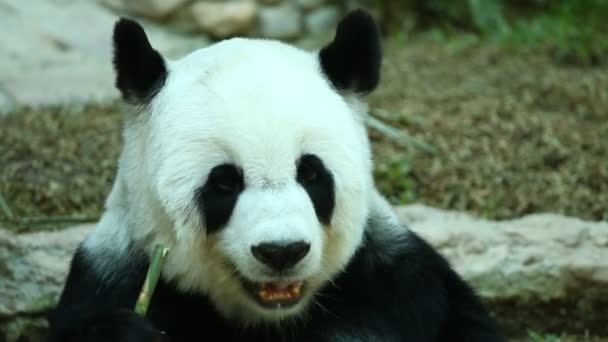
308 169
226 179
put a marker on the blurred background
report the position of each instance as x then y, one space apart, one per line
497 109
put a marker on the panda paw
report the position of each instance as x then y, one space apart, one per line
121 326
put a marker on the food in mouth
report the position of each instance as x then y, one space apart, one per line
276 294
279 291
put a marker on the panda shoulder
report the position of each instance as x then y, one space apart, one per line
109 252
390 246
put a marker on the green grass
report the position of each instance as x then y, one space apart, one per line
571 32
395 181
538 337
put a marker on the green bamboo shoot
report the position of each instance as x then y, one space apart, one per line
154 271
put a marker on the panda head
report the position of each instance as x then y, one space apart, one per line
250 160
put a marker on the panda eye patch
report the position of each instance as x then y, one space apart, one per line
318 183
217 198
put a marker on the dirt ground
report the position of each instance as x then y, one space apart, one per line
515 133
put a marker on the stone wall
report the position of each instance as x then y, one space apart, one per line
276 19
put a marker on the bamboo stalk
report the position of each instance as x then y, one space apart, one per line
398 135
154 271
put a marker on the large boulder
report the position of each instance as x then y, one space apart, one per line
59 53
542 272
279 22
322 20
225 19
32 271
155 9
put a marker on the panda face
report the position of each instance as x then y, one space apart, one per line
259 169
277 174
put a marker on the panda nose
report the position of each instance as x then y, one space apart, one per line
280 255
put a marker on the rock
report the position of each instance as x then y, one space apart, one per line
155 9
62 52
86 81
310 4
224 19
33 268
541 272
526 267
115 5
322 20
280 22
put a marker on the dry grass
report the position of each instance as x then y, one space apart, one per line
516 134
58 162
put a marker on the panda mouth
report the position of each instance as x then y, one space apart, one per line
278 294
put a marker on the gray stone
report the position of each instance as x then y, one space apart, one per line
524 266
59 52
115 5
79 82
224 19
322 20
280 22
310 4
33 268
155 9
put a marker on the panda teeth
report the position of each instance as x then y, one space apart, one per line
279 291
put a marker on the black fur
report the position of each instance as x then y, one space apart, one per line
280 255
217 198
396 288
352 61
95 307
140 70
319 184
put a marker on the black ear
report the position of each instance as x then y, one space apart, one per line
140 70
352 61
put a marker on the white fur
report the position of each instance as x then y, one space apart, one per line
261 105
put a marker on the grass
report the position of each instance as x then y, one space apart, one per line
58 165
495 133
516 132
572 32
537 337
569 32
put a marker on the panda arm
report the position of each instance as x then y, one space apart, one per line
95 308
398 288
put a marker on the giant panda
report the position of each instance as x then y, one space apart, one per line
249 159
